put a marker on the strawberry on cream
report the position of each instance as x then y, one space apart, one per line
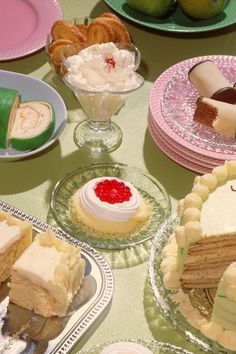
123 210
109 207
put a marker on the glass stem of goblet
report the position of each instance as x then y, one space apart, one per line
100 125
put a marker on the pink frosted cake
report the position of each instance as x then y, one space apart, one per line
109 207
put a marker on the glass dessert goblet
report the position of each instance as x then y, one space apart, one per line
101 80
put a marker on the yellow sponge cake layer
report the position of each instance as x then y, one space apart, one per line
47 276
15 237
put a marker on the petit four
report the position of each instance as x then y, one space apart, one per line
219 115
15 237
47 276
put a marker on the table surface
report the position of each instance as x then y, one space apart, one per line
27 184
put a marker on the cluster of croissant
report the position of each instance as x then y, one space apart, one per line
107 27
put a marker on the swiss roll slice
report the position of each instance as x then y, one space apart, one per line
9 101
33 125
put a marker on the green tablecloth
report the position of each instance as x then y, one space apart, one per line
27 184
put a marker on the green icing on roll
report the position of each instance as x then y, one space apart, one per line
33 125
9 100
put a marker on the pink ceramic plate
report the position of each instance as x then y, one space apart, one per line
176 157
190 155
192 158
172 102
24 25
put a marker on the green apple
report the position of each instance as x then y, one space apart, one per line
155 8
202 9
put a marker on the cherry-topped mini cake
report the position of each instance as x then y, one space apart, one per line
110 207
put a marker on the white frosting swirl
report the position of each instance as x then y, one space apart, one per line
114 212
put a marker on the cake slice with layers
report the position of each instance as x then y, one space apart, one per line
47 276
220 116
201 253
206 238
15 237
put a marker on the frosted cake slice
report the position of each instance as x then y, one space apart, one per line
15 237
47 276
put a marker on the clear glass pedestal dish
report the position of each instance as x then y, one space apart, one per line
98 133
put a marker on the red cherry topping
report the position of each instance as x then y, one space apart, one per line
112 191
110 63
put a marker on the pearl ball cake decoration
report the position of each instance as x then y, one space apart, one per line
202 253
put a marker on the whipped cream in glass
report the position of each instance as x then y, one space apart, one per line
106 71
101 76
102 67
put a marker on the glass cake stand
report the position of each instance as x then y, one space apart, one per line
98 133
201 299
149 188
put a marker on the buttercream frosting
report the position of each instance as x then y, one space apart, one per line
8 235
54 265
216 194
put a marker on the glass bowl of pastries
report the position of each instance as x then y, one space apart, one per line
107 27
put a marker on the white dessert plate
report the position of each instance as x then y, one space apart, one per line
148 187
31 88
24 26
156 347
23 331
201 299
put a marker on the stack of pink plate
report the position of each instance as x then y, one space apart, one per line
170 118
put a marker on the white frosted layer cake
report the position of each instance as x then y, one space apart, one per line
109 207
47 276
202 252
15 237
